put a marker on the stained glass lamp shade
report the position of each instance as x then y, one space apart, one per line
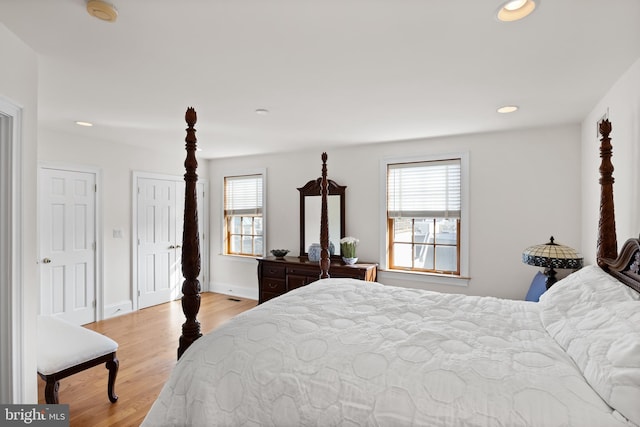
552 255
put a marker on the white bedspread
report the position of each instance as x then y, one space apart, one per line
353 353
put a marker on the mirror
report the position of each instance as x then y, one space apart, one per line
310 205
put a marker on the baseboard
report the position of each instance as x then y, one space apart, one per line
118 309
233 290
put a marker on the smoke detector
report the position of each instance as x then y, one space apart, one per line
102 10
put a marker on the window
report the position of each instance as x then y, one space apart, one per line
424 206
243 215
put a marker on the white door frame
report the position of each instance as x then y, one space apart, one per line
99 232
204 223
204 270
12 345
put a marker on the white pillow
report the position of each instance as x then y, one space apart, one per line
596 319
589 284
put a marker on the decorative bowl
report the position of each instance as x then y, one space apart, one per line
279 253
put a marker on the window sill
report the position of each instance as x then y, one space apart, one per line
417 276
242 258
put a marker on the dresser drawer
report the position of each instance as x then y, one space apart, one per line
270 284
294 281
355 274
266 296
311 271
272 270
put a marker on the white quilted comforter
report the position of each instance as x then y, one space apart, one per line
342 352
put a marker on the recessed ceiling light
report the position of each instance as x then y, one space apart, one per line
514 5
507 109
262 111
87 124
102 10
516 9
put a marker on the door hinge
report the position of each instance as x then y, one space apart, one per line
94 303
139 293
95 188
93 246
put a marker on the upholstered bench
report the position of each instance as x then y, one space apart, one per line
65 349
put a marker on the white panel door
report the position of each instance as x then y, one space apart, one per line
159 223
158 247
67 244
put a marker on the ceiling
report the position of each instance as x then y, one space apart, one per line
330 72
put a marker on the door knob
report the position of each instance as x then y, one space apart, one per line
46 261
172 247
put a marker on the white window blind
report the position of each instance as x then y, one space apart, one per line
424 189
243 195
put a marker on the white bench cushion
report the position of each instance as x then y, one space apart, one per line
62 344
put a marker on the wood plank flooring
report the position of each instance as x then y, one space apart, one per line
148 344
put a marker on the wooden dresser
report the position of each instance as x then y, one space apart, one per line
279 276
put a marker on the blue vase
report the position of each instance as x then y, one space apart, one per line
314 252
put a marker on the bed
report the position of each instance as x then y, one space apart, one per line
346 352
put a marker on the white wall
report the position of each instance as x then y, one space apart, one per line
116 162
522 185
18 84
622 102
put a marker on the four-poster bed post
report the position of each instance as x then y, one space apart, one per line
607 242
190 241
623 265
324 222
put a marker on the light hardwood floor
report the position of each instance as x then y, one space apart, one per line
148 344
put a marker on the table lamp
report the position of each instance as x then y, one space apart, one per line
552 255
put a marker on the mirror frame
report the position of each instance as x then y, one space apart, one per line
313 188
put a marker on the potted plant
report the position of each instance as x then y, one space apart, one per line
348 249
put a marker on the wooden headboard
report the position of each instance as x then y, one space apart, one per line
625 267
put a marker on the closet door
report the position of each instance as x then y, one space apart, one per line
159 221
158 244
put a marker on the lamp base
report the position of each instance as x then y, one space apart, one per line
551 277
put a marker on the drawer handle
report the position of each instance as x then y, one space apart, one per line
273 285
273 271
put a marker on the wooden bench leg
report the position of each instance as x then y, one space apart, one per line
53 380
112 366
51 391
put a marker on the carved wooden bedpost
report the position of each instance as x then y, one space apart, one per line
190 242
607 242
324 222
